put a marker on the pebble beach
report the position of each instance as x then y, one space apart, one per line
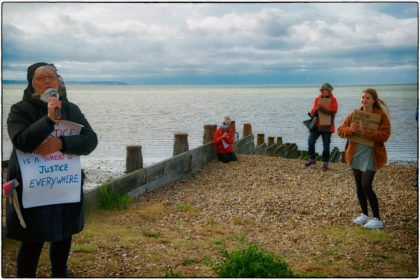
292 210
282 191
103 172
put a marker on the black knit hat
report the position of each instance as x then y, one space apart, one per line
32 68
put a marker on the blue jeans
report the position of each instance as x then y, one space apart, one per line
326 141
28 256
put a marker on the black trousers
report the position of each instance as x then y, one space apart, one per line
365 192
227 157
28 257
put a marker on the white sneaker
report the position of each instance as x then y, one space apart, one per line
374 223
361 220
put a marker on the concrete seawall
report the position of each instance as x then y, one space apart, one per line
173 169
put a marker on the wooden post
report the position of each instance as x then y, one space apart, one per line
270 141
232 125
209 131
180 143
260 139
279 141
134 159
247 129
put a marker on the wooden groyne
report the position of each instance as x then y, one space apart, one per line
185 162
288 150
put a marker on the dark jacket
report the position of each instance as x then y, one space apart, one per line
28 126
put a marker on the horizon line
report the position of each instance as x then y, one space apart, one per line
119 83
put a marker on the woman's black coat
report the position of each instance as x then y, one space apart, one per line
28 126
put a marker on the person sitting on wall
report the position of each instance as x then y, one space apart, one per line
223 139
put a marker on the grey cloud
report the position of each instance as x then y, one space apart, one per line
139 40
275 22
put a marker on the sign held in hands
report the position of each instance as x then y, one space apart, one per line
324 119
370 121
52 179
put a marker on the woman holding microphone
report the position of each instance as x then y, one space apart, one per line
30 124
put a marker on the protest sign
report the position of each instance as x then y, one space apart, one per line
52 179
370 121
324 119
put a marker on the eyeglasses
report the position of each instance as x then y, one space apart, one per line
42 78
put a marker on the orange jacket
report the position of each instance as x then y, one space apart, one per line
332 110
379 137
220 149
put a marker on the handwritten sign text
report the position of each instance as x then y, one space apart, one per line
51 179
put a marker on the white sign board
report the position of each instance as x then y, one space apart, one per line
52 179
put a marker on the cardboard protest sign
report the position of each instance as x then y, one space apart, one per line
324 119
52 179
370 121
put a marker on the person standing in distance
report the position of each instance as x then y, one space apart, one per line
365 160
324 130
30 123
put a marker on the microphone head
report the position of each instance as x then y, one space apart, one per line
52 92
49 92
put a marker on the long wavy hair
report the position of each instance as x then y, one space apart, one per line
379 103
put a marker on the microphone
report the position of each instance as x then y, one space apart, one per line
52 92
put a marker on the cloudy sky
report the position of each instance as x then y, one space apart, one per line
214 43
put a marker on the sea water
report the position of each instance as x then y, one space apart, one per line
150 116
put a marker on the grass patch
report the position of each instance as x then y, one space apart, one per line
187 208
384 257
357 235
83 249
249 261
172 274
329 253
109 200
75 260
189 261
151 212
359 266
152 235
245 222
311 275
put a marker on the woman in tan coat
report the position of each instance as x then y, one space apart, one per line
365 160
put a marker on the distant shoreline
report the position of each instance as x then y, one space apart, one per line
17 82
21 82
